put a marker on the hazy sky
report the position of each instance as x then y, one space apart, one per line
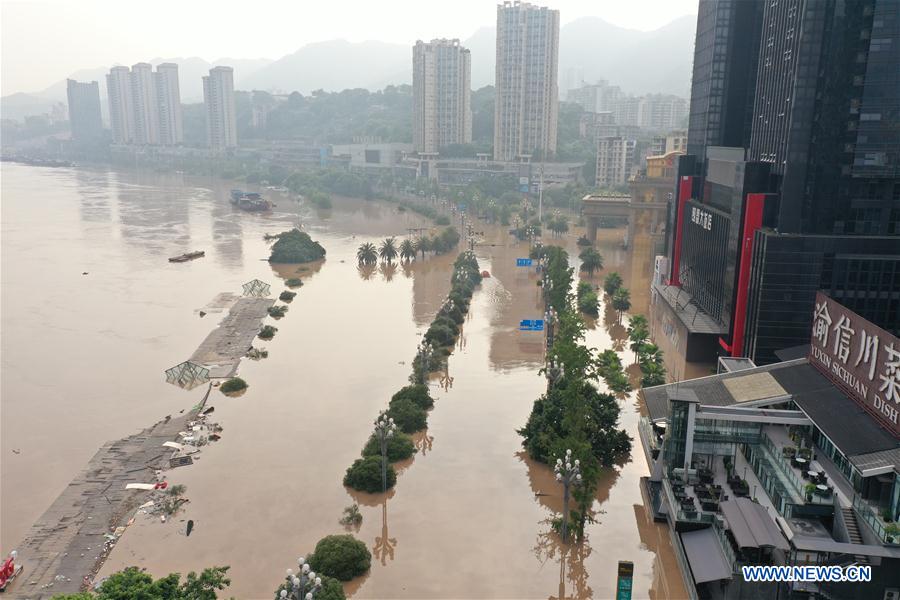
44 41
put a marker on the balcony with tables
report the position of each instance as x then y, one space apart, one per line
798 469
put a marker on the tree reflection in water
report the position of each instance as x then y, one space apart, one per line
366 271
387 271
572 574
612 321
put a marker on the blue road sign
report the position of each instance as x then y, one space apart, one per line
531 325
462 206
523 262
624 580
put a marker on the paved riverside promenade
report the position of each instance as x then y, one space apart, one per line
66 544
225 345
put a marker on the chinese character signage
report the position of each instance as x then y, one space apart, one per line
701 217
861 358
531 325
523 262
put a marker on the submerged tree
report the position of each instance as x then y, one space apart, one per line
422 245
591 261
621 300
134 583
407 250
612 283
367 254
388 250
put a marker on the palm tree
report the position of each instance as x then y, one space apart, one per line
612 283
558 225
591 261
407 250
367 254
621 300
422 245
388 250
638 333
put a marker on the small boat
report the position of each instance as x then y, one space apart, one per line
187 256
250 201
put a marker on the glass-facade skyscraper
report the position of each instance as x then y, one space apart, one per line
818 121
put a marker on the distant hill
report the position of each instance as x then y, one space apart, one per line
639 62
20 105
190 72
335 65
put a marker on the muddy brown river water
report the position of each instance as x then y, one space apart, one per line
83 357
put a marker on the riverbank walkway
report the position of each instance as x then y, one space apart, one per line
223 348
68 542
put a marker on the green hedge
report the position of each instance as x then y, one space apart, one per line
365 475
408 416
340 556
417 393
399 447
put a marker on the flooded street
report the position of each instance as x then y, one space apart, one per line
84 354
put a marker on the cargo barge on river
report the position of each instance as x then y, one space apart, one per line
250 201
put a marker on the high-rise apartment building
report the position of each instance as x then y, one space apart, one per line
615 161
84 111
674 141
442 112
595 97
660 111
121 113
527 95
145 107
218 97
808 196
146 110
168 101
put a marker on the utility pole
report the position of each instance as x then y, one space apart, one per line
541 195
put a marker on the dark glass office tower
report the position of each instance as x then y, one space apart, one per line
722 86
827 120
821 129
827 114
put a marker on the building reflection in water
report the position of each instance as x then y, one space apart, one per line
94 192
153 211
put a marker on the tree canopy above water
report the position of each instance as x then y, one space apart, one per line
296 246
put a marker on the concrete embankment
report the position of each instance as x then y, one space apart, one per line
68 542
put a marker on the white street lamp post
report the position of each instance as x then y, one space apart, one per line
384 430
302 586
568 473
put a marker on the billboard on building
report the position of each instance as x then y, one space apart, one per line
859 357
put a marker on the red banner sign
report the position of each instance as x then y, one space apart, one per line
859 357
